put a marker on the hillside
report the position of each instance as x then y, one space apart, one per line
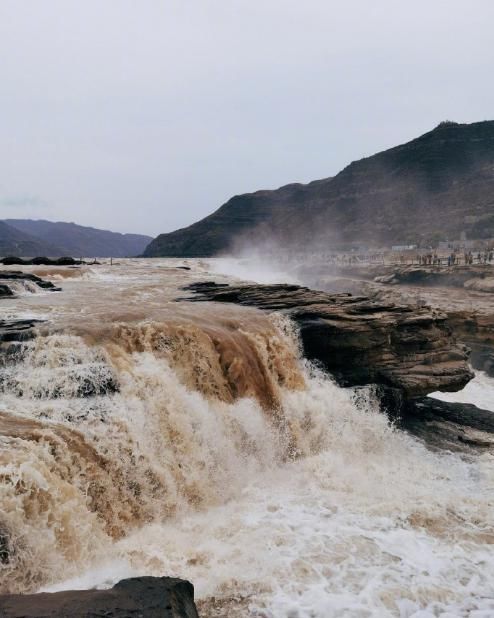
434 187
15 242
77 240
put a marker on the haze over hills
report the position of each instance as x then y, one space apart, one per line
56 239
435 187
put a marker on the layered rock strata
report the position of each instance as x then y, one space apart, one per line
360 341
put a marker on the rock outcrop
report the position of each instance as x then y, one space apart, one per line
7 276
12 260
433 187
451 426
149 597
17 330
5 290
359 341
461 292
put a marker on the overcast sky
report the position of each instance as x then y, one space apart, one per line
147 115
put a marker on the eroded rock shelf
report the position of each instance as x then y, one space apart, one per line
360 341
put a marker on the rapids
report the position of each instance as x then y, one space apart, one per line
140 435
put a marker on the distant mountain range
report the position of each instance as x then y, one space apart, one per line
436 187
15 242
28 238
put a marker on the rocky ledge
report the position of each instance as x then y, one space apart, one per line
17 330
463 293
8 276
360 341
152 597
452 426
476 277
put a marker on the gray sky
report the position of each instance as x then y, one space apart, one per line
147 115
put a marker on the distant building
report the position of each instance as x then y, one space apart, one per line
403 247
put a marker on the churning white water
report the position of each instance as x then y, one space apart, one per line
143 436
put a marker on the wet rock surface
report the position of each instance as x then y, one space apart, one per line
17 275
465 414
446 425
140 597
360 341
17 330
5 290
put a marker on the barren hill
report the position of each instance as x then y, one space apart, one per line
437 186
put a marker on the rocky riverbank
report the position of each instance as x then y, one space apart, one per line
463 293
477 276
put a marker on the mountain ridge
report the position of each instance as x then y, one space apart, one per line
14 242
436 186
60 238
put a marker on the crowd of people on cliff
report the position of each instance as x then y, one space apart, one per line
453 259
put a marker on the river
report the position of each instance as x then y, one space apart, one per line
141 435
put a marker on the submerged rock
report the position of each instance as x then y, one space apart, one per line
5 290
139 597
360 341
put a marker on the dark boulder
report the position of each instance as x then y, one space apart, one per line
42 261
5 290
12 260
139 597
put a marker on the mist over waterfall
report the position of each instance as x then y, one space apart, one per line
140 435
